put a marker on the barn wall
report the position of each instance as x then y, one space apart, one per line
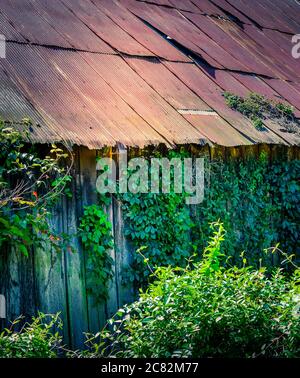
52 282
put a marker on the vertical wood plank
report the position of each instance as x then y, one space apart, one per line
124 252
50 277
87 181
112 302
75 270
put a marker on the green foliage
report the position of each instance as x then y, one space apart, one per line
38 339
162 224
96 236
212 253
258 108
257 200
206 310
29 186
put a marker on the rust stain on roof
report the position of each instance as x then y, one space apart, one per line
140 72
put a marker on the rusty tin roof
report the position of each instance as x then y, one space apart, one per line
140 72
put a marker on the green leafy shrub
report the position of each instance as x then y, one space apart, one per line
30 183
38 339
96 236
206 310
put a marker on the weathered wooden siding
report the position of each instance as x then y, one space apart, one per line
52 282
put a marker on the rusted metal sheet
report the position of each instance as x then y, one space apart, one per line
122 122
143 99
257 85
77 98
228 82
74 31
283 59
233 85
30 25
105 28
261 50
231 38
14 106
139 31
289 7
92 72
186 5
167 85
286 91
212 95
284 41
262 15
54 98
228 37
276 14
291 137
207 7
175 26
159 2
217 130
296 86
228 10
8 30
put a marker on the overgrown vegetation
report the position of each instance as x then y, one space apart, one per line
161 224
29 185
38 339
198 304
258 201
206 310
201 310
96 236
258 108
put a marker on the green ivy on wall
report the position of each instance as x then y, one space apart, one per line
257 200
160 224
96 235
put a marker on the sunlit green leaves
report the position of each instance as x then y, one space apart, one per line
206 310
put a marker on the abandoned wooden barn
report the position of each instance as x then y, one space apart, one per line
129 74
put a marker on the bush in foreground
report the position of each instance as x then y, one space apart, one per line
206 310
36 339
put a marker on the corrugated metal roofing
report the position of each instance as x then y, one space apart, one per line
99 72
